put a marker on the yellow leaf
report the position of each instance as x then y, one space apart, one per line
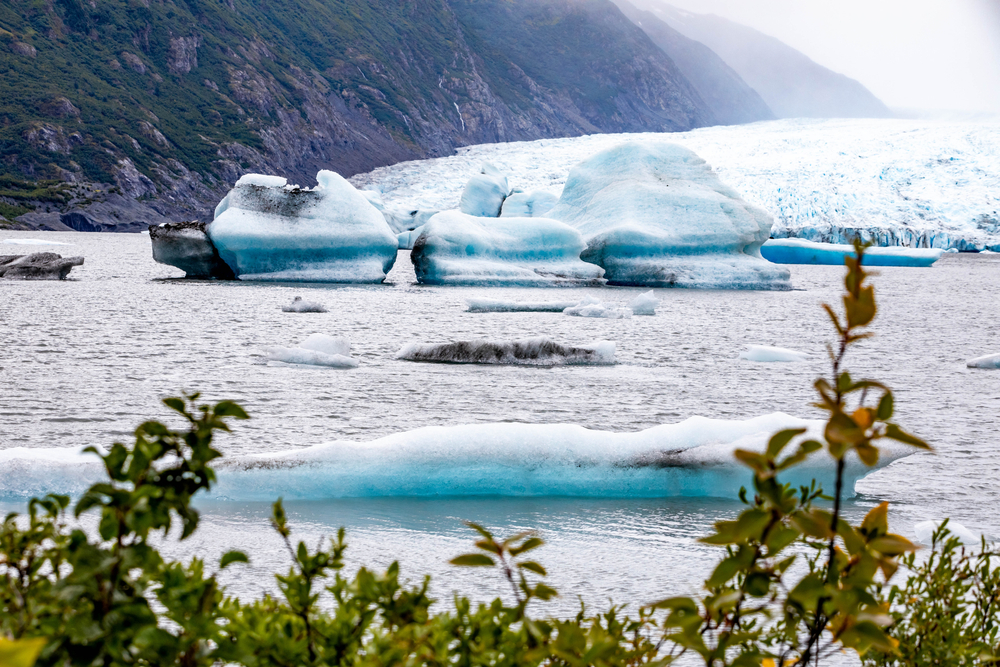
20 652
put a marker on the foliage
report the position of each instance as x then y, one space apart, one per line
797 581
948 611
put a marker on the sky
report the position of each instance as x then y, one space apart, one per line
913 54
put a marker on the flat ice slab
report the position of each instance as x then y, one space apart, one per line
799 251
316 350
770 354
925 532
539 351
591 307
483 305
987 361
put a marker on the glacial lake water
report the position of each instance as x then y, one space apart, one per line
86 360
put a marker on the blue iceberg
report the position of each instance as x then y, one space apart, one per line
528 204
800 251
267 230
484 194
657 215
458 249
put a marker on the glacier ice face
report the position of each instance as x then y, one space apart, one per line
988 361
459 249
484 194
528 204
644 304
538 351
925 532
316 350
766 353
484 305
591 307
657 215
332 233
800 251
298 305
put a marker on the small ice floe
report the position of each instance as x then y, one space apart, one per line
800 251
951 250
299 306
316 350
644 304
34 242
925 532
990 361
591 307
538 351
768 354
476 305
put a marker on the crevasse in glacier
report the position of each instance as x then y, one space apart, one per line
266 230
800 251
657 215
459 249
485 192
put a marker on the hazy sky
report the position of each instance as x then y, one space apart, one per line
927 54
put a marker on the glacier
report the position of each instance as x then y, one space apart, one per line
655 214
800 251
486 305
988 361
265 229
691 458
766 353
484 193
913 183
538 351
455 248
316 350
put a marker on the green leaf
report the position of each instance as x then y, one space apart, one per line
876 522
842 430
676 604
489 545
543 592
867 453
20 652
781 439
532 566
230 409
473 560
479 529
232 557
175 404
860 311
527 545
885 407
896 433
892 545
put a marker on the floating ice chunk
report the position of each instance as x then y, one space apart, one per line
34 242
186 246
925 532
262 180
316 350
484 193
479 305
951 250
528 204
644 304
766 353
459 249
538 351
799 251
591 307
987 361
658 215
299 306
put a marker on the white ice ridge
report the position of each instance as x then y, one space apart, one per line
538 351
916 183
316 350
799 251
988 361
692 458
484 305
34 242
331 233
459 249
299 306
925 532
591 307
766 353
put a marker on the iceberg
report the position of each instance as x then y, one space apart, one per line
925 532
299 306
657 215
266 230
481 305
316 350
459 249
692 458
644 304
591 307
800 251
186 246
37 266
987 361
771 354
484 194
538 351
528 204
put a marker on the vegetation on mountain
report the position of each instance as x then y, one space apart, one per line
796 581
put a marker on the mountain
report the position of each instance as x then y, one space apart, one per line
119 113
791 84
730 98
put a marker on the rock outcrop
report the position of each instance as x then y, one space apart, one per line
187 246
37 266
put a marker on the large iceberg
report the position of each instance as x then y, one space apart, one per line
266 230
657 215
459 249
484 193
799 251
692 458
539 351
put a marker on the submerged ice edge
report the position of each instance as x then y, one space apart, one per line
692 458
